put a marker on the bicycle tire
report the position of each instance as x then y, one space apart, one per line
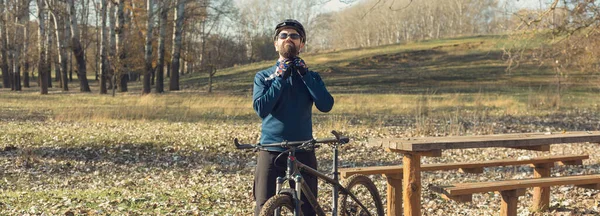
278 201
347 205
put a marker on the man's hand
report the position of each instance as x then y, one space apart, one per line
300 66
284 68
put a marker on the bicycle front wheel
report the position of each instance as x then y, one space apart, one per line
366 192
281 203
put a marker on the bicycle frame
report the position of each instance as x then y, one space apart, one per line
294 167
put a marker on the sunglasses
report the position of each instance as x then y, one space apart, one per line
284 36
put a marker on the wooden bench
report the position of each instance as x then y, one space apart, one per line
512 189
394 175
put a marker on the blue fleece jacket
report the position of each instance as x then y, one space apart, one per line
285 106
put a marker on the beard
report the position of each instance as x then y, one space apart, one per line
288 50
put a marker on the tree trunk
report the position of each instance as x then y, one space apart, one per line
168 69
42 48
103 59
148 49
78 49
70 66
174 84
60 50
49 58
64 58
120 70
21 31
112 61
26 75
4 42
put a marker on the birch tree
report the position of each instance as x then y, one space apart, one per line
61 47
119 65
103 40
4 51
148 47
160 66
78 50
42 65
175 56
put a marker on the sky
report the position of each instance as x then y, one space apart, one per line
335 5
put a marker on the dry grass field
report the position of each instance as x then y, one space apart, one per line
172 153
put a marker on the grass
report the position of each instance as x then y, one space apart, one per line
171 153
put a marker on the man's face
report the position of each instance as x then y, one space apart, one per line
288 47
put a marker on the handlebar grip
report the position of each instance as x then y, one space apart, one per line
340 138
242 146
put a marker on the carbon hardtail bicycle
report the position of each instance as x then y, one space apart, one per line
357 196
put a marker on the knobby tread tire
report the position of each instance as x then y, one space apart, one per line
279 200
363 180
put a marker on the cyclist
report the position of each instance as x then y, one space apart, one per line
283 97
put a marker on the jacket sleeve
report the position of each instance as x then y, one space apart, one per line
265 96
323 100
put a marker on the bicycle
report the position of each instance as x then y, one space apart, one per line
287 200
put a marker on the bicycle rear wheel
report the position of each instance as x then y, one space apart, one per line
282 202
366 192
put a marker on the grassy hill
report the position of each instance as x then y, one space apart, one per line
457 65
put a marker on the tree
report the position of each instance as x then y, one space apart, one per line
160 66
42 46
22 17
179 16
4 51
148 50
61 47
570 35
103 53
119 65
78 50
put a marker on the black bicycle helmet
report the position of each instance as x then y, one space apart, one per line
290 23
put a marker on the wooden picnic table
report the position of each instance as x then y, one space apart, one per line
414 148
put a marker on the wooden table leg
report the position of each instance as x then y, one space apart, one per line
541 195
412 184
394 194
509 203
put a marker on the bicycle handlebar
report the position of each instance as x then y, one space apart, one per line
338 139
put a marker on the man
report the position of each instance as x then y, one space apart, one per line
283 97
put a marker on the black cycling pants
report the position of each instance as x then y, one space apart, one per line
266 174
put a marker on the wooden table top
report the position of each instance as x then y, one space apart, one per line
486 141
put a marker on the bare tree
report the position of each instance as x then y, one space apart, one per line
3 50
119 65
78 50
22 17
42 65
61 47
570 35
160 66
103 53
179 16
148 47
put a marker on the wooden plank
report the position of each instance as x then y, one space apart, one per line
394 194
471 170
535 148
509 203
374 170
571 163
590 186
485 141
541 195
460 198
411 187
431 153
482 187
